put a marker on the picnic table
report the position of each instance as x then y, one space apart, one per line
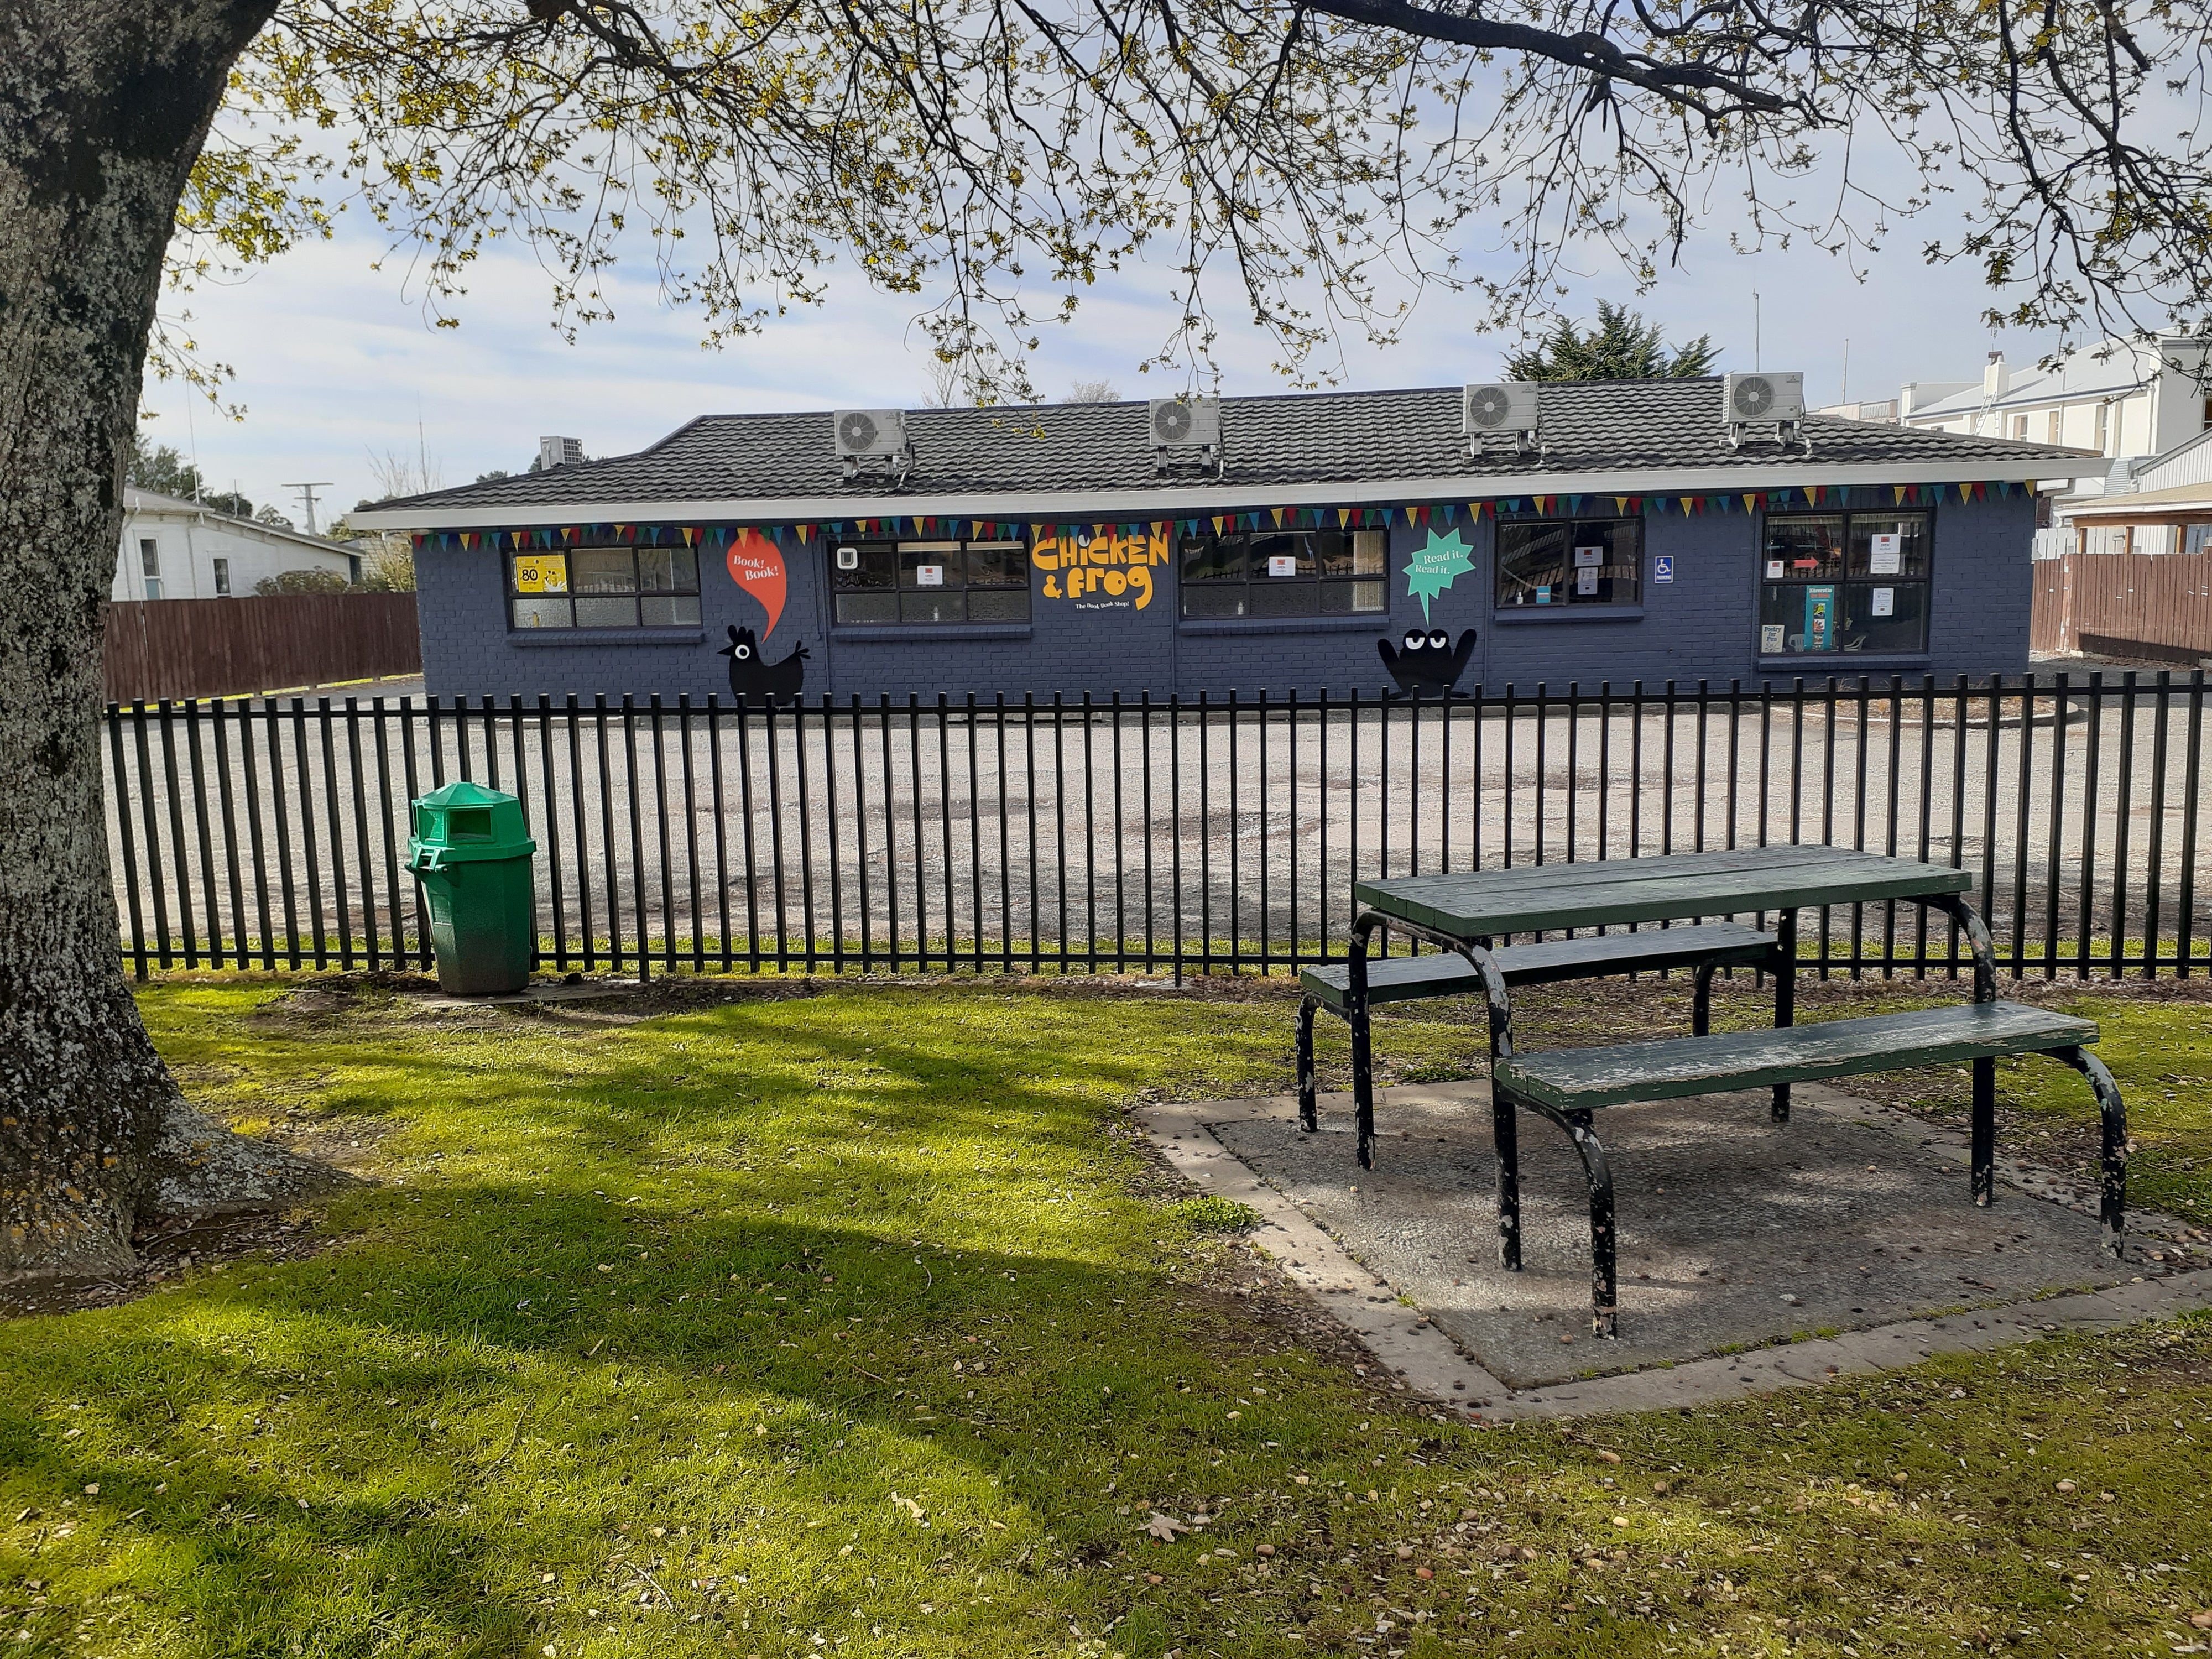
1467 914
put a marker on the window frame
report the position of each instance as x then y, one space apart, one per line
1847 582
1320 582
672 596
905 557
1570 603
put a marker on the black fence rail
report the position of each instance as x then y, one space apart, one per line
1136 832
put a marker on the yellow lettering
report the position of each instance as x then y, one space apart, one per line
1045 555
1117 582
1051 587
1155 548
1140 584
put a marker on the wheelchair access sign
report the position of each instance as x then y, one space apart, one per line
1662 568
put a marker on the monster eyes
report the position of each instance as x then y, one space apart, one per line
744 652
1414 639
1440 640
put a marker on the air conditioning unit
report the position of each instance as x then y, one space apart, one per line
871 432
1505 410
1761 399
559 452
873 440
1186 423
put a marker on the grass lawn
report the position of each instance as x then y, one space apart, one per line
859 1324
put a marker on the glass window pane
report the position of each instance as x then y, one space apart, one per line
667 570
1885 545
998 604
933 604
603 570
875 566
1212 559
1532 564
1804 547
1286 556
860 609
541 613
1880 615
1607 563
1367 554
1213 601
607 613
1285 599
679 610
1799 617
930 567
998 564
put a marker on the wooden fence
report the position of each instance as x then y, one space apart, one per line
2156 606
234 647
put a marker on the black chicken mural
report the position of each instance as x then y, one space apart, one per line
756 684
1429 662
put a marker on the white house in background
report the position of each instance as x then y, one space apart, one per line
2119 399
178 550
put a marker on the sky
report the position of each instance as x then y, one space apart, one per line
337 364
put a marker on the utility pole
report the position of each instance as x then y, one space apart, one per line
307 498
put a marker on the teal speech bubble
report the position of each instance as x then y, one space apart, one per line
1435 566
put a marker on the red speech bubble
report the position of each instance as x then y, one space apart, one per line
757 567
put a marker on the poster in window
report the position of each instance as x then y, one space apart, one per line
1282 564
1544 594
1884 602
1776 570
1587 557
1821 617
1586 579
1771 637
1887 557
541 573
929 575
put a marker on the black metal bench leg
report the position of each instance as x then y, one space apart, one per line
1505 1136
1363 1067
1605 1311
1309 1108
1984 1176
2112 1212
1785 994
1701 1000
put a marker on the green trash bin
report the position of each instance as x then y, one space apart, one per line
471 853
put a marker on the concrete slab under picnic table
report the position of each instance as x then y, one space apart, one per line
1733 1231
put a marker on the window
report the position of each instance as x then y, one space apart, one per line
2207 415
1555 562
1284 573
2103 425
1837 582
150 566
880 584
2019 427
605 587
222 578
2054 425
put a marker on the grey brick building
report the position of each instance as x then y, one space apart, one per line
1046 549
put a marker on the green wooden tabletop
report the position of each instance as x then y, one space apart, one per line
1548 898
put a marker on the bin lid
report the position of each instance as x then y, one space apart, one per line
469 822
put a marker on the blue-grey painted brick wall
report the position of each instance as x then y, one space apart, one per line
1702 625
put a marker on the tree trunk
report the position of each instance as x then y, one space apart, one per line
103 106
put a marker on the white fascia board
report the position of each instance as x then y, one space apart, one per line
1107 506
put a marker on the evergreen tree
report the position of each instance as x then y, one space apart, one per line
1619 346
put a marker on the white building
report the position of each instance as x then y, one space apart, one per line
178 550
2118 399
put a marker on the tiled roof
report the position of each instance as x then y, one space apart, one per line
1313 440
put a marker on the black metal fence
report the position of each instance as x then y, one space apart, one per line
1129 833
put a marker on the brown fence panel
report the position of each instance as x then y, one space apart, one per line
2154 605
234 648
2050 622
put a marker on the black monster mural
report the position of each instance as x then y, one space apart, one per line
1429 662
756 684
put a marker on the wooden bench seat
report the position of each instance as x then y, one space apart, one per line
1669 1069
1568 1085
1702 948
1405 979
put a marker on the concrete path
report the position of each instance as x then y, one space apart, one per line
1776 1255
